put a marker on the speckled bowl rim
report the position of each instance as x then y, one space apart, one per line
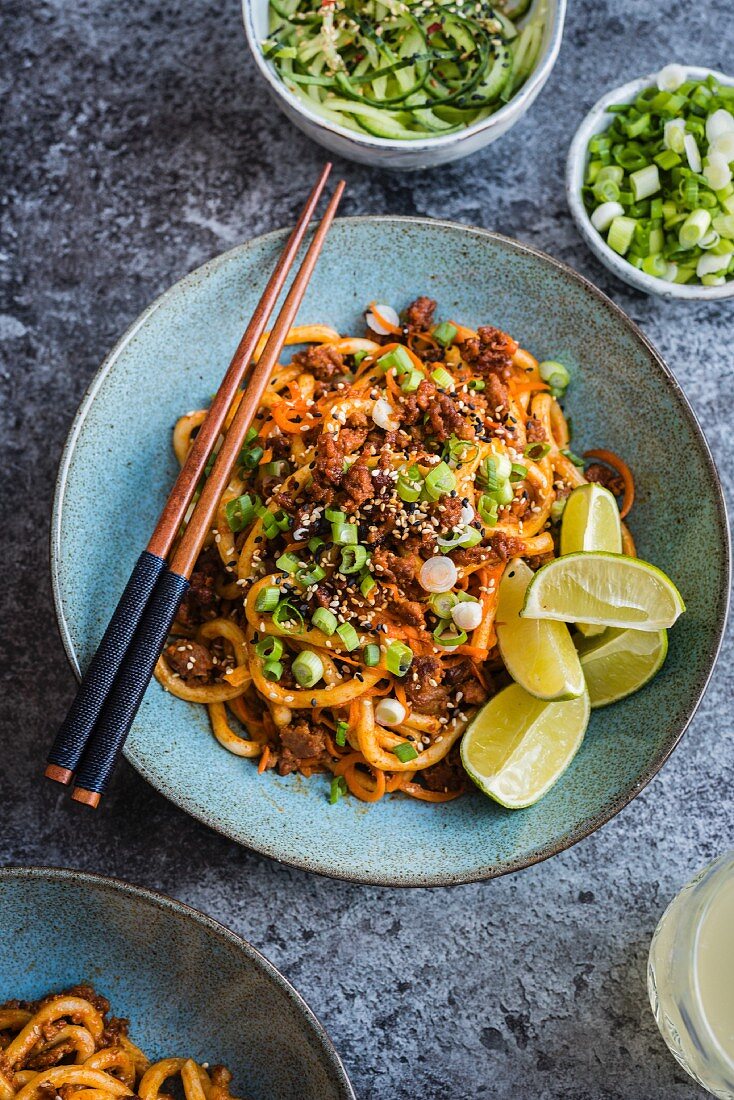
513 109
614 805
594 122
166 904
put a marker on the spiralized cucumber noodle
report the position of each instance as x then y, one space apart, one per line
404 70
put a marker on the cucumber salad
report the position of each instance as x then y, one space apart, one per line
404 69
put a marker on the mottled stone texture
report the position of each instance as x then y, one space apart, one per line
139 142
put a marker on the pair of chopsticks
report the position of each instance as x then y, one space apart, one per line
89 740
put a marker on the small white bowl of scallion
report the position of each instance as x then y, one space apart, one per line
650 182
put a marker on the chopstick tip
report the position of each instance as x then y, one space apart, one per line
59 774
87 798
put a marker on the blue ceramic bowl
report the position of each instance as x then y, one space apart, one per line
118 465
221 996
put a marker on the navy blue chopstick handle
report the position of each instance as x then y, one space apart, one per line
127 693
96 684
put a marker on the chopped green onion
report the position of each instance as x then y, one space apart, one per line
405 752
477 384
307 668
252 457
240 512
315 544
344 534
645 182
340 734
555 374
337 789
572 457
442 603
459 450
558 507
536 451
488 510
279 468
694 228
272 670
353 558
397 360
371 655
308 575
333 515
445 333
411 381
267 599
620 235
439 481
409 484
519 472
270 648
288 562
348 635
487 475
446 634
367 583
286 613
398 658
442 378
324 620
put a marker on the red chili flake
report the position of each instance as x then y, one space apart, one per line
434 28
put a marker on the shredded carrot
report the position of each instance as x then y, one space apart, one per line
267 456
518 386
624 472
416 791
264 760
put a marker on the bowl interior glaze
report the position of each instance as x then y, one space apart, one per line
118 464
187 984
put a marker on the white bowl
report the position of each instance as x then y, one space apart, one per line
597 120
422 153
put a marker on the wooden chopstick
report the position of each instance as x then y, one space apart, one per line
113 725
96 684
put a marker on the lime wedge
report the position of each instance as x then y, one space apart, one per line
518 746
620 662
608 589
539 655
591 522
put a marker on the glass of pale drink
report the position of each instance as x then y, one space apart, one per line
690 977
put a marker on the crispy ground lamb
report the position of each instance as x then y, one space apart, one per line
324 362
423 687
191 661
604 475
447 775
445 420
491 352
419 314
535 431
300 741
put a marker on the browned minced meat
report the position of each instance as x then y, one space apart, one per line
470 555
501 548
84 991
535 431
445 420
506 546
351 439
358 485
115 1027
328 467
605 476
200 602
323 362
491 352
408 611
53 1056
391 567
426 697
497 395
414 405
419 314
461 679
448 510
191 661
447 775
300 741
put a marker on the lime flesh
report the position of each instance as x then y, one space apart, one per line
518 746
606 589
620 662
540 656
591 522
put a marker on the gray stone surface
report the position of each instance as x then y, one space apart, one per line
138 144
